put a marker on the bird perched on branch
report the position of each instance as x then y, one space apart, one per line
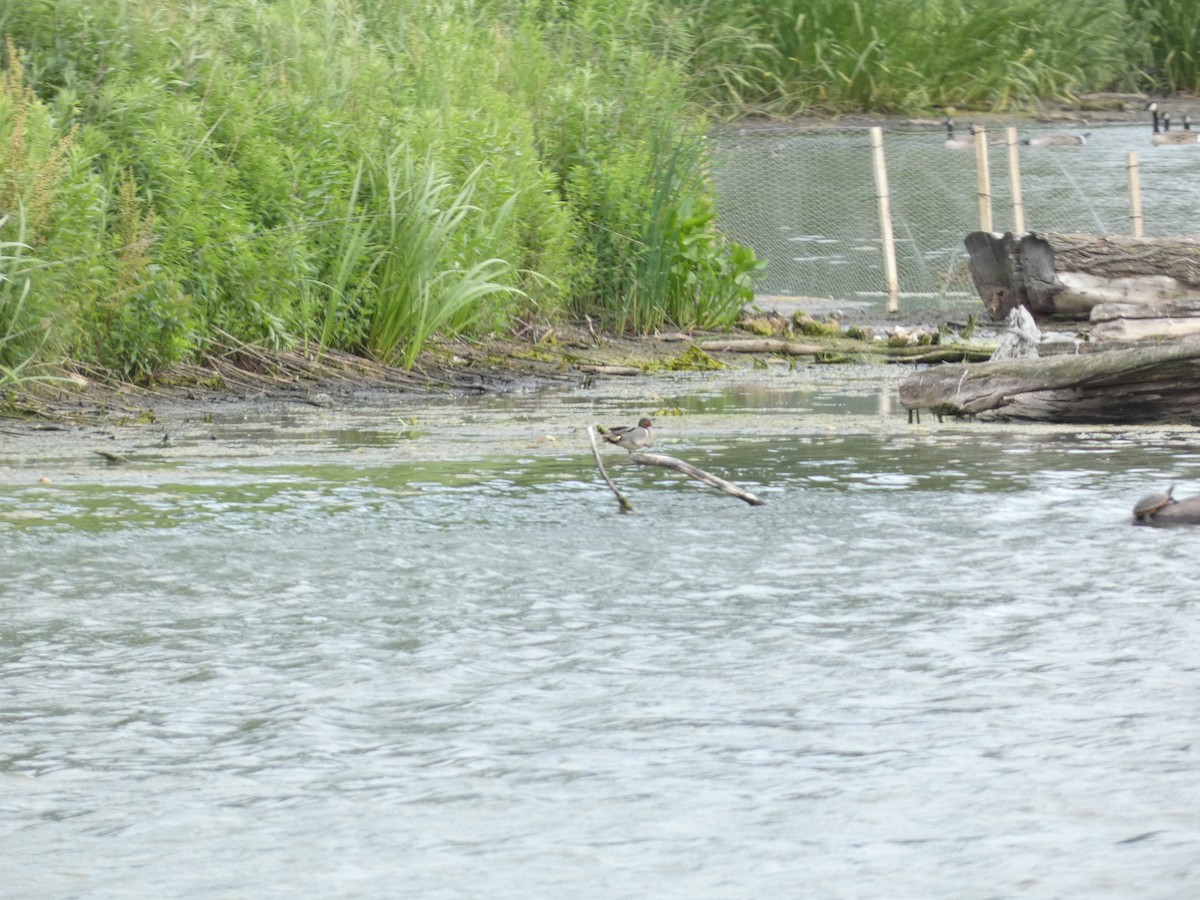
631 437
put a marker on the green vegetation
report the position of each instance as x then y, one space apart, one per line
365 174
1172 41
897 55
355 174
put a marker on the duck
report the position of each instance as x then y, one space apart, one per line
957 142
994 140
1058 140
629 437
1166 135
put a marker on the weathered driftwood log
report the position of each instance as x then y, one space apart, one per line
913 353
1182 512
761 345
1065 275
670 462
1141 385
611 370
1178 319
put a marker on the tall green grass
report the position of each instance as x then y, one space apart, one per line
896 55
367 174
18 334
253 168
1172 42
420 285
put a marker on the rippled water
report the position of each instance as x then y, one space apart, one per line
938 663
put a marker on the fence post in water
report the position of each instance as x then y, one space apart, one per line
1135 193
1014 175
891 279
985 179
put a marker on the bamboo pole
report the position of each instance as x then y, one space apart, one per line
890 276
985 179
1014 175
1135 193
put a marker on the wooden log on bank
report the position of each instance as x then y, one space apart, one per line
1066 275
1143 385
1172 320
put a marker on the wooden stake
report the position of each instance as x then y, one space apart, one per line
890 276
1014 175
985 179
1135 193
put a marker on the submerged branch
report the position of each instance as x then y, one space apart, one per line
678 465
622 500
669 462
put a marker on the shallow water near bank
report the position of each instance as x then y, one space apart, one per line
415 651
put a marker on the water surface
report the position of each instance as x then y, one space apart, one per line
938 662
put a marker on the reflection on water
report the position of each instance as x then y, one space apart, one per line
931 666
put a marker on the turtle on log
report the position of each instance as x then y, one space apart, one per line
1145 509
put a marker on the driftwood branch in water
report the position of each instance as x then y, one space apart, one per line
622 500
669 462
678 465
1141 385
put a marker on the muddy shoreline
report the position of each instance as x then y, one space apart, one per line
502 395
242 382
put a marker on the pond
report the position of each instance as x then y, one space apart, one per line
414 650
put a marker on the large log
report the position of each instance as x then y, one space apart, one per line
1158 384
1065 275
1179 319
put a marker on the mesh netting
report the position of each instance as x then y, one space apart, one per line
806 202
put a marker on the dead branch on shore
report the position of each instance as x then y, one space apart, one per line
761 345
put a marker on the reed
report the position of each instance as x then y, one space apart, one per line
1172 42
893 55
371 173
421 285
17 331
243 128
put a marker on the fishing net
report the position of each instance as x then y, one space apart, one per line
806 202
